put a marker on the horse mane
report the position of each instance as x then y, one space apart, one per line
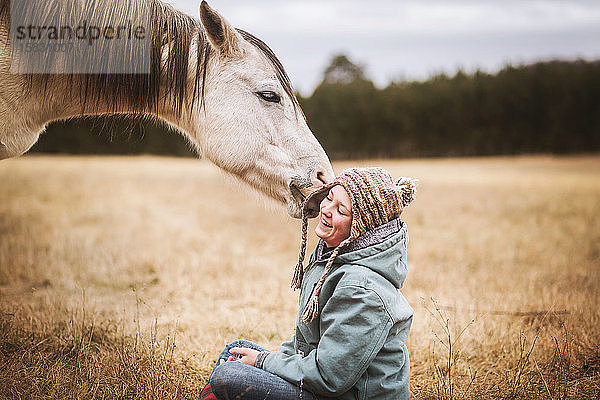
141 93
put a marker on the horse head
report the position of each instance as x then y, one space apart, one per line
250 123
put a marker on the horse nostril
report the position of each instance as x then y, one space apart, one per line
321 177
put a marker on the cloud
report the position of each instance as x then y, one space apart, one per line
388 17
414 38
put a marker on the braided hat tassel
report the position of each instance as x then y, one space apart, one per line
311 311
312 307
299 271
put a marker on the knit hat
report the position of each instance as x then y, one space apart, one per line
376 199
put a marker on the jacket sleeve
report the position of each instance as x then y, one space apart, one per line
354 325
288 347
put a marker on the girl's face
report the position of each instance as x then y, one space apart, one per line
335 218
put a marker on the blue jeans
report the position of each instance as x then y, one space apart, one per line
235 380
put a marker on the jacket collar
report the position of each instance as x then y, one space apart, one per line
369 238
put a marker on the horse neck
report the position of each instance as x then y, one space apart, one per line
27 106
29 102
66 97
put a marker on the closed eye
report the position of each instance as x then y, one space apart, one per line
269 96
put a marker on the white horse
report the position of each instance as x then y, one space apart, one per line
222 88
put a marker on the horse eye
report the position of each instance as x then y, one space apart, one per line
269 96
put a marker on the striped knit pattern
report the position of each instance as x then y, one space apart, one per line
376 200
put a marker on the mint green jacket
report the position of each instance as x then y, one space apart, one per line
355 348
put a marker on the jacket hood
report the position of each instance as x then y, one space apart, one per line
382 249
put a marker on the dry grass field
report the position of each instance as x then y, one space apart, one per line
123 277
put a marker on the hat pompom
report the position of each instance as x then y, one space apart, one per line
407 188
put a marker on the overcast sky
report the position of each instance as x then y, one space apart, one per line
411 39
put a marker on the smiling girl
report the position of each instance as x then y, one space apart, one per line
352 325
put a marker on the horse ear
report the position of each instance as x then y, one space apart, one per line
221 35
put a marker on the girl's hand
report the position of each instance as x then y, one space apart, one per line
248 355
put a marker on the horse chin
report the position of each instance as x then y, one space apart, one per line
294 209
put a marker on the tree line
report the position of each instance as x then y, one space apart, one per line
549 107
546 107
